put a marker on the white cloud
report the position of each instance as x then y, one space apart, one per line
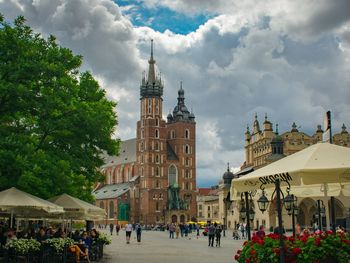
289 59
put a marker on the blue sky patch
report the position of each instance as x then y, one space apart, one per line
161 18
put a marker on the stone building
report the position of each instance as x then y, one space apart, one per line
208 204
159 166
264 146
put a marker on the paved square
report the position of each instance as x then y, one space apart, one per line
156 247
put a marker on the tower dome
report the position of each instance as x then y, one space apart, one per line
228 176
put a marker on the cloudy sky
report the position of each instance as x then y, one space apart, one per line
288 59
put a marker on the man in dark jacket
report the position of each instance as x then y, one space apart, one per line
211 234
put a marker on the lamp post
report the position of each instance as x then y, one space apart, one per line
294 212
247 210
288 203
227 204
321 212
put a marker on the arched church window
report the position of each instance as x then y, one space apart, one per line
172 174
149 106
187 149
187 134
157 171
157 107
111 209
157 133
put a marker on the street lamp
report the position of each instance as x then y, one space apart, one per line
227 204
287 201
294 212
321 211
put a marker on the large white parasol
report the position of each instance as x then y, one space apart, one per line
320 169
77 209
19 203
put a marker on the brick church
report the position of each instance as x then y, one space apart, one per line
153 180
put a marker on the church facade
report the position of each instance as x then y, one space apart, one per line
157 169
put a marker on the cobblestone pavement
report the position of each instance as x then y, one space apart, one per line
156 247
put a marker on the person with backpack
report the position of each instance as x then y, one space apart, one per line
138 232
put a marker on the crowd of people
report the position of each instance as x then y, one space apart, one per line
83 240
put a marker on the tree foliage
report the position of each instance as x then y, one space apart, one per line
55 122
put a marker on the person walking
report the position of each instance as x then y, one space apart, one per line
211 234
218 230
177 231
117 228
241 228
138 232
171 230
128 230
197 229
111 227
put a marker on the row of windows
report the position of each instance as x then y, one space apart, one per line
172 134
156 120
117 175
187 161
155 171
157 158
147 105
154 145
158 185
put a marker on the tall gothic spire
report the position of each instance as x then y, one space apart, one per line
151 71
152 87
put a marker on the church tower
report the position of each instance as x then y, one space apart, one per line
165 154
151 147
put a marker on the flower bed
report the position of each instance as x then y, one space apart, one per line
314 248
58 244
104 239
24 246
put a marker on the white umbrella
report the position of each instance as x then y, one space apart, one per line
20 203
78 209
311 169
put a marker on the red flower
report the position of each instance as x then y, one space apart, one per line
239 251
296 250
247 260
317 241
276 251
304 238
347 242
236 257
245 242
252 252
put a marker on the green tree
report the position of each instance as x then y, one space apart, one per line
55 122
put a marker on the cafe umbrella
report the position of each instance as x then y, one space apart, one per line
19 203
322 168
78 209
